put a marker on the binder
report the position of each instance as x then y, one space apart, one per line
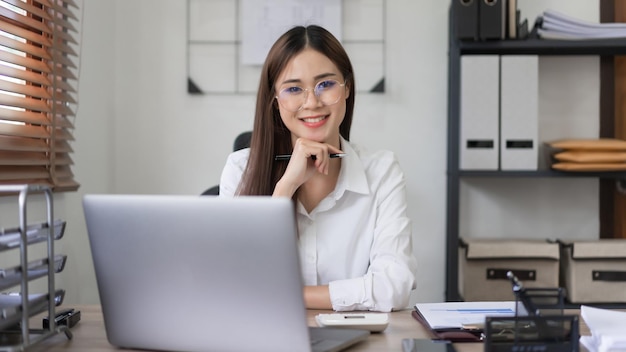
519 112
492 19
479 112
447 334
465 14
512 19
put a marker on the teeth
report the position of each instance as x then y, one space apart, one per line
314 119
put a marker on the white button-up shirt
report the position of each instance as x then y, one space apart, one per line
358 239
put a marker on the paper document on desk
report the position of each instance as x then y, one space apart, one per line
607 329
456 314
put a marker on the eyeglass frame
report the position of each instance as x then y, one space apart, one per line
306 92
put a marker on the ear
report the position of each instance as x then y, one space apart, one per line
348 89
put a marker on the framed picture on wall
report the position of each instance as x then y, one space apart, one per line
219 62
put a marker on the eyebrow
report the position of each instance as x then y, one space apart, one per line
318 77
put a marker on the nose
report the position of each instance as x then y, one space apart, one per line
311 100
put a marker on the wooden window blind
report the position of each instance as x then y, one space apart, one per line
38 91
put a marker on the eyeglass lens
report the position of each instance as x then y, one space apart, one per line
327 91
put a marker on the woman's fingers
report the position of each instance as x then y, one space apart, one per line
316 155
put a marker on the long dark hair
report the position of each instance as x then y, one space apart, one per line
269 135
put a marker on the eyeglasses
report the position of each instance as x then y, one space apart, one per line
328 92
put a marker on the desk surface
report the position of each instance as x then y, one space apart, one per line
90 336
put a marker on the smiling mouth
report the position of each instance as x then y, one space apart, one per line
314 119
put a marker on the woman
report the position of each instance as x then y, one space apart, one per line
354 234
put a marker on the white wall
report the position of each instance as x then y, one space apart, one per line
138 131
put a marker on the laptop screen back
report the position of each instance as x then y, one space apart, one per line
189 273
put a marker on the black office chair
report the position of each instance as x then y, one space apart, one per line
213 191
242 141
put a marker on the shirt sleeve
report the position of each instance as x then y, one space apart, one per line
232 172
390 278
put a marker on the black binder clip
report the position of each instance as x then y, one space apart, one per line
67 317
538 325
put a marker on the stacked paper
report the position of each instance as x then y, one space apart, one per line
456 315
607 328
555 25
603 154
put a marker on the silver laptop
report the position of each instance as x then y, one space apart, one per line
191 273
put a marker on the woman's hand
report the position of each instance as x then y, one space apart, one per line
307 159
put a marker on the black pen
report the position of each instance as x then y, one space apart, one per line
288 156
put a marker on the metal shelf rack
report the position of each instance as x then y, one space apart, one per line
16 308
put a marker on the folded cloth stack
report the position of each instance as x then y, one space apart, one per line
603 154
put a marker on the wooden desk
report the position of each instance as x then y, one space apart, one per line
90 336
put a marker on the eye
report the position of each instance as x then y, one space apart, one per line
295 90
326 85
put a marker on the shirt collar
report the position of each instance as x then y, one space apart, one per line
351 178
352 175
